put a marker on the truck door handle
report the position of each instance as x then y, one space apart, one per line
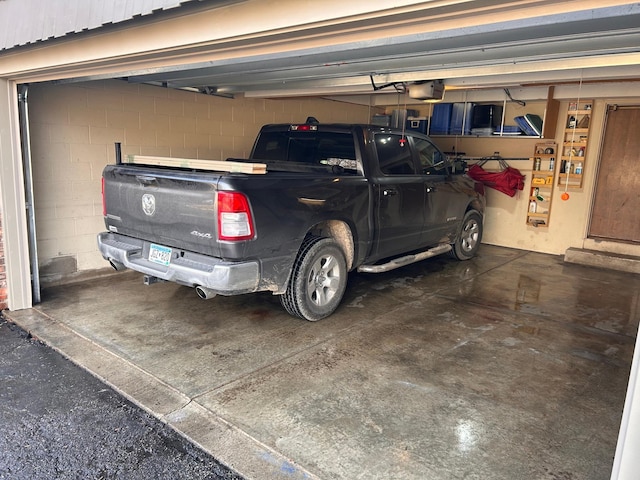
387 192
430 189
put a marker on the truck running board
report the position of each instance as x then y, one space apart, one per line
406 260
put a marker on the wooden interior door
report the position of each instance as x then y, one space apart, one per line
616 208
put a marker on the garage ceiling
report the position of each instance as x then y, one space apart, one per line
276 48
600 44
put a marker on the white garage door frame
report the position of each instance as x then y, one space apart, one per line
626 464
12 201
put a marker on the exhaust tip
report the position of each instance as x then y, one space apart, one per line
204 292
117 266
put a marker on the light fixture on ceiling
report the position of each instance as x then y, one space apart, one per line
212 91
203 90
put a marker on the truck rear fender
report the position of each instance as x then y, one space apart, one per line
341 233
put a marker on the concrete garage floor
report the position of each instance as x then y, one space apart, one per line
511 365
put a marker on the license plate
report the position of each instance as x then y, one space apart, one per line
159 254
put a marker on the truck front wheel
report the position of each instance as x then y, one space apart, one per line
469 237
318 280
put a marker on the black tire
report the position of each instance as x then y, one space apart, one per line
318 280
466 245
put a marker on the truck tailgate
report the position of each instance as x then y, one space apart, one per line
174 208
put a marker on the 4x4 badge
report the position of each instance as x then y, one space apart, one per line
148 204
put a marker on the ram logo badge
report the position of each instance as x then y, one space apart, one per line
148 204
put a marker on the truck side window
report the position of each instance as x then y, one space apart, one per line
430 157
394 155
338 149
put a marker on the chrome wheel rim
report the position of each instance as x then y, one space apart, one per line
470 235
323 280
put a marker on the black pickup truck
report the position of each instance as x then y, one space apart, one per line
330 199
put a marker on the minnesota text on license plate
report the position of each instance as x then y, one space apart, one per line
159 254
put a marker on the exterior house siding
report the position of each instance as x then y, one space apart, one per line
25 22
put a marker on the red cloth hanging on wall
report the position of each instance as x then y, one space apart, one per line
508 180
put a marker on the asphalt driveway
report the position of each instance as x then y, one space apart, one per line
60 422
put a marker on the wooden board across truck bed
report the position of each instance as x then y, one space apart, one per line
213 165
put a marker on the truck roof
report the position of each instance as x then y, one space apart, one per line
329 126
338 127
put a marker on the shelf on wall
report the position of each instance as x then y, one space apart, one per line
541 184
457 119
574 143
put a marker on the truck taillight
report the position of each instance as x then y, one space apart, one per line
234 217
303 128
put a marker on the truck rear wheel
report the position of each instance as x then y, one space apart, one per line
318 280
469 237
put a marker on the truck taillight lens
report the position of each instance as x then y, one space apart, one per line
234 217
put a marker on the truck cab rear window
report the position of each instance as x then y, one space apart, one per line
310 148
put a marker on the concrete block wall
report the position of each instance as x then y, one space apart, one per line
73 130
